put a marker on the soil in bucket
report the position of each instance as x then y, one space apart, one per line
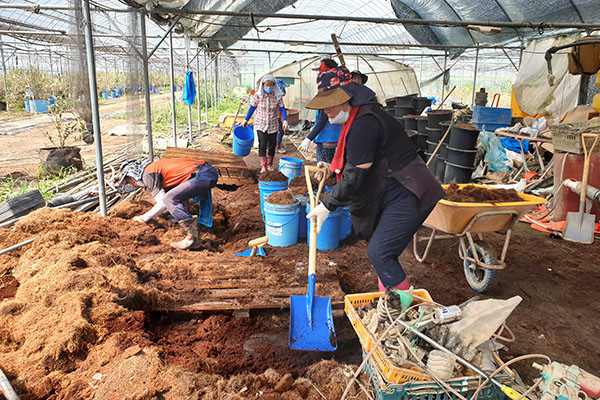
300 181
435 117
272 176
281 197
463 136
476 194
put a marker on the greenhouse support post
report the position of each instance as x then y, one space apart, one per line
444 76
146 85
217 93
205 87
475 77
198 89
4 73
172 76
187 69
91 62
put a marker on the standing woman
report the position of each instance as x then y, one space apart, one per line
388 187
267 103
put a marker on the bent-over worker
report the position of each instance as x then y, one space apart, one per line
172 182
388 187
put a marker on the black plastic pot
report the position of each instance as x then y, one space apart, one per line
402 111
431 146
457 173
433 135
410 123
421 141
56 159
463 137
433 164
413 136
421 103
391 111
444 127
421 124
400 120
405 101
463 158
444 151
435 117
441 169
421 154
390 103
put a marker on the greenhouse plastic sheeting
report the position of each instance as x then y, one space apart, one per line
386 77
533 94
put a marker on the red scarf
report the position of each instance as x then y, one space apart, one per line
337 164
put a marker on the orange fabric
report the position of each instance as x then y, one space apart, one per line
174 170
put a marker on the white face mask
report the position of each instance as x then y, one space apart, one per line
340 118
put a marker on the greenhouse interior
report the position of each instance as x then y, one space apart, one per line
211 199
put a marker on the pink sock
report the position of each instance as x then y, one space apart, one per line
404 285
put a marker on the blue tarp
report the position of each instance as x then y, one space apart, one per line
189 90
513 145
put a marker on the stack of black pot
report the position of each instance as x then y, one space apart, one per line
461 153
410 126
421 136
435 132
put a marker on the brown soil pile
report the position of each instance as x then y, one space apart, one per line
299 191
300 181
272 176
474 194
281 197
463 125
440 112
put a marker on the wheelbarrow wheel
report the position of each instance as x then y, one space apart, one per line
478 277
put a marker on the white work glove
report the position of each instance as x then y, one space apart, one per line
284 125
244 123
304 145
323 164
321 212
138 218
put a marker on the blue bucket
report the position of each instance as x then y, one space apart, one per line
114 95
243 139
266 188
329 237
27 106
302 221
104 95
345 223
290 167
281 223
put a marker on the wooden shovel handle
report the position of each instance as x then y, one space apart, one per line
314 201
587 157
261 241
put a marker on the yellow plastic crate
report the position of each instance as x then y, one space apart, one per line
388 371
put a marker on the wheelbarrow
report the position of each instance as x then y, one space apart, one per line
464 220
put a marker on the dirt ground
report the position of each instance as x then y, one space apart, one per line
77 318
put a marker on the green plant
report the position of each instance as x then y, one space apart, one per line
47 184
64 128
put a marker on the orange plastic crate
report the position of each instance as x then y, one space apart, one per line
388 371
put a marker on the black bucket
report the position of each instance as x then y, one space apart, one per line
433 135
391 111
421 141
390 103
444 151
463 158
444 126
421 124
400 120
457 173
431 146
405 101
435 117
410 123
413 136
441 169
402 111
421 154
421 103
433 164
463 137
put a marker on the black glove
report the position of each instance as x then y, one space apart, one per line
346 188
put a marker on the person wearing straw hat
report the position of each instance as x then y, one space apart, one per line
267 103
388 187
172 182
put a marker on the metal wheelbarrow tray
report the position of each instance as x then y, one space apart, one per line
461 220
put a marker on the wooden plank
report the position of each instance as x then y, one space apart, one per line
21 205
234 305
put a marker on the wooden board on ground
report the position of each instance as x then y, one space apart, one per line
232 169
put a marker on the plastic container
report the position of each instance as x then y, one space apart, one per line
435 117
567 137
410 123
243 138
402 111
457 173
290 167
265 188
113 95
390 372
390 103
464 158
463 138
443 151
434 135
281 223
492 115
104 95
421 124
51 101
302 221
329 237
38 106
421 103
400 120
413 136
440 169
431 146
345 223
422 141
444 126
27 106
405 101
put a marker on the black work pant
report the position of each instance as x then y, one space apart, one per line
399 219
266 143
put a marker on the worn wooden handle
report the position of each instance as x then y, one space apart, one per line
587 157
261 241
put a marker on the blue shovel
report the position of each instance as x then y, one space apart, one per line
311 321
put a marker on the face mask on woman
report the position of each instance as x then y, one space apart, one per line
269 89
340 118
